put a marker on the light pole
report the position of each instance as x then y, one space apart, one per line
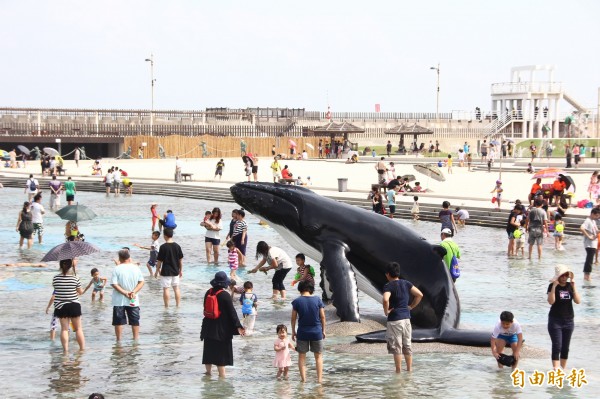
152 80
437 101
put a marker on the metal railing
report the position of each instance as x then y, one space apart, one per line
526 87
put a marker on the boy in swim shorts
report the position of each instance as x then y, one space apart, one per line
507 331
153 248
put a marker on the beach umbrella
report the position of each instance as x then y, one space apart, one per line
547 173
292 143
51 151
5 156
568 181
409 177
23 149
70 250
76 213
247 159
309 145
430 171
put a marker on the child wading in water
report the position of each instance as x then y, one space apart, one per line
233 256
507 332
449 164
283 357
235 289
304 272
519 235
153 248
155 217
99 284
54 322
498 190
414 211
559 232
249 302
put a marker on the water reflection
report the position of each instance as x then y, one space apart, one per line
67 373
217 388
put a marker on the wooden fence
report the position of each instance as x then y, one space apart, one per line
218 147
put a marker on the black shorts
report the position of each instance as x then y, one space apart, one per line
392 208
121 314
255 169
70 197
213 241
71 309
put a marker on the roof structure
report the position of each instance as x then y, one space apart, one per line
332 128
408 129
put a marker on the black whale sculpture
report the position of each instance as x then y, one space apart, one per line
353 247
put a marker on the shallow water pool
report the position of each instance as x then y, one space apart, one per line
167 360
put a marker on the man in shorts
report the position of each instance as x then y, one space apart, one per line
127 281
396 294
169 266
37 216
309 310
536 225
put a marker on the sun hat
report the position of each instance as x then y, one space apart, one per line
220 280
559 270
447 231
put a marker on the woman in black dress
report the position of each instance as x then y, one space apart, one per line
25 225
218 333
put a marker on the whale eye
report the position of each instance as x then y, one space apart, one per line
312 228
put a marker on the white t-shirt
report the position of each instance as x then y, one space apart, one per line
214 234
155 245
515 328
37 210
462 214
591 228
117 176
280 257
28 185
127 276
109 177
178 164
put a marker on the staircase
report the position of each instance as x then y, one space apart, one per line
574 103
496 126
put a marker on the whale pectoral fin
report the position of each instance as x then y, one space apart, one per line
342 281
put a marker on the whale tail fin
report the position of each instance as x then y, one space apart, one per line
449 336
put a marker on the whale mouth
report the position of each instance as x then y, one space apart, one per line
278 203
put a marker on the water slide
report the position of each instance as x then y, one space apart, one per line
574 103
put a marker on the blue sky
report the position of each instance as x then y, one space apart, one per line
289 54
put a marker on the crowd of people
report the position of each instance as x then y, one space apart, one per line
308 324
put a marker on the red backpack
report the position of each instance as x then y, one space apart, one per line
211 305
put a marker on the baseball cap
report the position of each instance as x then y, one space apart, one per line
447 231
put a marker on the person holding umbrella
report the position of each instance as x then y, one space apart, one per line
67 288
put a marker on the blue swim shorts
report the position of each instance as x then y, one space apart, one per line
510 339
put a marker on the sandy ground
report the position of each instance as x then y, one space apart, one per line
461 187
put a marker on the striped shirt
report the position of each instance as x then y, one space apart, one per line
232 258
240 227
65 289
